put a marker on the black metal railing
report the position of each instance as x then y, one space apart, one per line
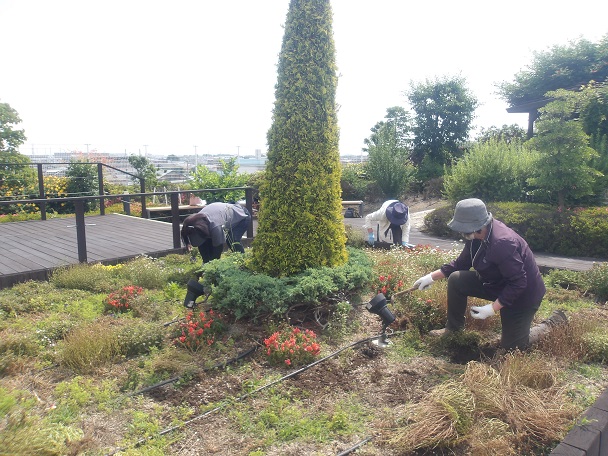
100 167
175 220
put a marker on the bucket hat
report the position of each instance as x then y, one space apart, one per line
396 213
470 215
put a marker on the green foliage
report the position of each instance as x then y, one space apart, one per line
300 196
559 67
388 164
144 169
576 232
506 134
492 170
84 277
139 337
238 290
81 181
354 181
565 156
32 296
596 345
17 179
226 177
146 272
597 277
443 118
10 139
90 346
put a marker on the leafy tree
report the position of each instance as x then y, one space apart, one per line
17 177
10 139
506 133
564 167
560 67
300 223
81 181
227 177
143 169
388 164
399 120
444 111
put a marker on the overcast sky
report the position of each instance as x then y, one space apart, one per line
128 76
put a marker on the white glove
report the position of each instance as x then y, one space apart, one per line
424 282
482 312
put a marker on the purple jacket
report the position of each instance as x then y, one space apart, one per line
505 264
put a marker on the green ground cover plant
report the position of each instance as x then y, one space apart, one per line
74 378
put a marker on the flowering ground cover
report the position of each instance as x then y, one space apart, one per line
106 360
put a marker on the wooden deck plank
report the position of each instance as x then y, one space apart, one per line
31 249
34 248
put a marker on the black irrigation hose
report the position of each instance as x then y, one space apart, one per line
215 366
357 446
246 395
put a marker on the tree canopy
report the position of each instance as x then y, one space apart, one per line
560 67
444 111
10 139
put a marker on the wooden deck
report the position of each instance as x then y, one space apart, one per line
32 249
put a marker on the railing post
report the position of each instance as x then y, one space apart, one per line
41 192
126 203
175 221
142 189
81 236
249 206
102 206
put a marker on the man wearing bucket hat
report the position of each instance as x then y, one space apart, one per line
214 225
504 271
391 222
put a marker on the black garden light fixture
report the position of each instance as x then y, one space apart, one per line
194 290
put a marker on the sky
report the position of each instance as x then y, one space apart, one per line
198 77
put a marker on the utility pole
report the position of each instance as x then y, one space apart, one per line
195 156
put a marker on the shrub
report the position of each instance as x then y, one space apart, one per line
146 272
597 278
492 171
354 182
198 331
83 277
122 300
90 346
139 337
291 347
243 293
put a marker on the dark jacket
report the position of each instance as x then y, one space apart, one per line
505 264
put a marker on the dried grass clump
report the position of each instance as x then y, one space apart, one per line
522 391
90 346
490 437
515 404
567 341
442 419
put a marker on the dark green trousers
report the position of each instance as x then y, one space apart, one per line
515 322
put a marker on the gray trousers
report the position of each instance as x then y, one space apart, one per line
515 322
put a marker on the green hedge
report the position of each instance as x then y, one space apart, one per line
574 232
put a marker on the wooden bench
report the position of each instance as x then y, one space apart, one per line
357 205
165 211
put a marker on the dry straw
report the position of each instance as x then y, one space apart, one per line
493 409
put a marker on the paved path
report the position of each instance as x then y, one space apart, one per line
545 260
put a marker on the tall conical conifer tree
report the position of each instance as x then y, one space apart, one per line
300 223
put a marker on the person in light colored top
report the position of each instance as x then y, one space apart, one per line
391 223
